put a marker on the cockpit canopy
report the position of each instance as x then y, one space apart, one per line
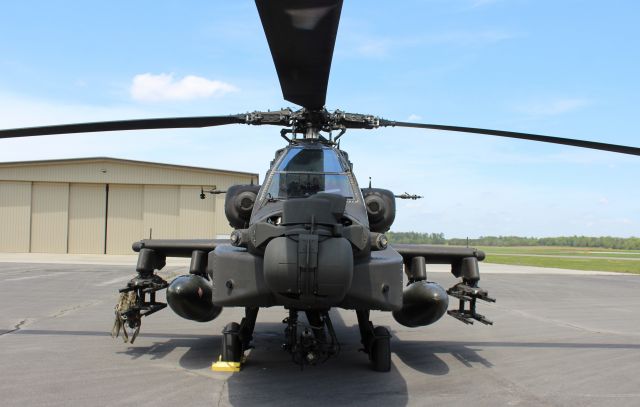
305 171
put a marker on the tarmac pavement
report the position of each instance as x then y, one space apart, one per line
560 338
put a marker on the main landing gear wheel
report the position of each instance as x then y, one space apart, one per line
236 339
380 350
376 342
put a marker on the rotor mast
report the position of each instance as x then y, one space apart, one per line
312 133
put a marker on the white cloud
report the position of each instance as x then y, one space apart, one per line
148 87
414 117
553 107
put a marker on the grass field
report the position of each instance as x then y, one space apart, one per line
574 258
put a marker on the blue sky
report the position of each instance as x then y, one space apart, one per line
565 68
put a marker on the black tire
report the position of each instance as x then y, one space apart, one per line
380 352
231 344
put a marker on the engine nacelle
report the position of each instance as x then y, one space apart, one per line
423 303
381 208
190 296
238 204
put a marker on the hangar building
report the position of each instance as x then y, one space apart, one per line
101 205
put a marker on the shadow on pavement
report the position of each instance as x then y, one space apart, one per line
270 377
438 346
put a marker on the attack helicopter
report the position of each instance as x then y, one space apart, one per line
309 238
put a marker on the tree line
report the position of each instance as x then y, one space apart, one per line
605 242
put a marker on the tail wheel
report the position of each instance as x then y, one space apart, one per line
380 351
231 343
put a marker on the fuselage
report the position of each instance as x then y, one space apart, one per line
308 242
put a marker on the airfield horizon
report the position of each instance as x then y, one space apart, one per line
515 260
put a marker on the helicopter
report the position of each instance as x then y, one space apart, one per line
309 238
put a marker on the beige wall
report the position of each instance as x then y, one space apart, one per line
165 212
221 223
124 220
197 216
161 211
87 204
49 217
61 207
15 216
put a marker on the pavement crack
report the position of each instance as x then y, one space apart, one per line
221 393
74 308
15 328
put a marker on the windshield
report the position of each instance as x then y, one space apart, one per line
304 172
310 160
298 185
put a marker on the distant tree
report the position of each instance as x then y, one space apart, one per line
605 242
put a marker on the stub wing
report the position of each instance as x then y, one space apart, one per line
178 247
434 254
464 264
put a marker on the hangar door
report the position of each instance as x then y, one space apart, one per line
15 216
124 217
49 206
138 212
86 218
87 211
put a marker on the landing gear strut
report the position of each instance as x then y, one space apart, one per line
236 339
376 342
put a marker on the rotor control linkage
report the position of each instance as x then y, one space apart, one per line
469 294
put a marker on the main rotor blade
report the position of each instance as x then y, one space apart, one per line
524 136
301 35
141 124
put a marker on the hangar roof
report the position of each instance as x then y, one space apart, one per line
116 170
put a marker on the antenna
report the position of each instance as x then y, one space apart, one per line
213 191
